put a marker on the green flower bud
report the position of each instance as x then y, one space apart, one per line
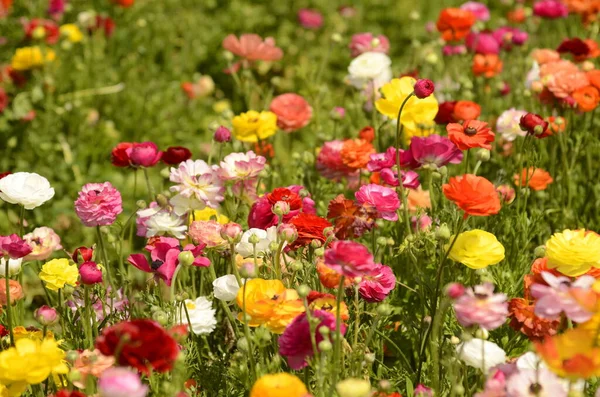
303 291
186 258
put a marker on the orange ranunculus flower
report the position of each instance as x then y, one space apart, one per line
330 278
466 110
524 320
572 354
534 178
356 153
487 65
517 15
545 55
269 303
320 301
16 292
455 24
594 77
471 134
473 194
587 98
555 125
418 198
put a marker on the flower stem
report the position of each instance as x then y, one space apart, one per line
247 334
149 184
173 281
8 304
278 260
400 188
236 272
338 334
106 263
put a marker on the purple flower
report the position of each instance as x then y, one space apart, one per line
482 13
433 150
480 306
557 297
98 204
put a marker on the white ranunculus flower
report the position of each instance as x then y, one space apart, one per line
14 266
370 66
202 315
163 223
481 354
226 287
266 237
27 189
508 124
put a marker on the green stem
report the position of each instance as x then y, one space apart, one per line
213 274
247 334
149 184
8 304
236 272
278 260
173 281
338 334
400 188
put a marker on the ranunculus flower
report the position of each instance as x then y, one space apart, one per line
508 124
252 48
222 134
349 258
43 242
479 9
261 213
310 19
455 23
282 384
331 166
14 266
292 110
119 156
265 237
253 126
27 189
375 287
433 150
550 9
14 247
226 287
16 291
46 315
482 43
476 249
370 67
481 354
90 273
480 306
423 88
366 42
383 199
535 178
207 233
98 204
475 195
145 154
201 315
121 382
59 272
241 166
310 227
175 155
573 252
197 185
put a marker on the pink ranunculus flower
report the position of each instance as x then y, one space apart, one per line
241 166
388 159
495 386
145 154
557 297
90 273
98 204
423 391
383 199
480 306
482 43
377 286
197 186
421 223
433 150
292 110
208 233
251 47
121 382
366 42
43 242
550 9
330 164
507 36
482 13
295 342
350 259
14 247
310 19
410 179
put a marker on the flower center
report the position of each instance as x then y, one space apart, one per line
535 388
470 131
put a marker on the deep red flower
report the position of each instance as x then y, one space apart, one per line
82 254
3 331
534 124
575 46
119 155
3 100
286 195
50 28
175 155
103 23
423 88
68 393
310 227
445 113
142 344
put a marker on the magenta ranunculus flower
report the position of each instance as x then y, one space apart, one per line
507 36
145 154
310 19
557 297
295 342
482 43
410 179
381 198
434 151
14 247
222 134
366 42
377 286
550 9
482 13
98 204
350 259
90 273
424 88
480 306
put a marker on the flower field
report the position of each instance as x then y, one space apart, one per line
299 199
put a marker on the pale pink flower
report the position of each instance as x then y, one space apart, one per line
310 19
252 48
421 223
98 204
43 242
366 42
534 382
121 382
480 306
208 233
508 124
482 13
383 199
91 363
241 166
495 386
557 297
376 286
292 110
350 259
198 186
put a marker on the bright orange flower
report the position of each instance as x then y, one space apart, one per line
517 15
487 65
524 320
475 195
594 77
555 125
356 153
587 98
455 24
330 278
471 134
573 354
466 110
535 178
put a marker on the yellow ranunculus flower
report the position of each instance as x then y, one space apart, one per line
26 58
278 385
352 387
21 332
58 272
71 32
422 130
207 213
269 303
252 125
30 362
476 249
416 111
573 252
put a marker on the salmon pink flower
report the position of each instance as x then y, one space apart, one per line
310 19
381 198
350 259
198 186
251 47
207 233
145 154
366 42
376 287
43 242
480 306
98 204
296 341
292 110
331 166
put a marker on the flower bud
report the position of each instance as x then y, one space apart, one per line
324 331
232 232
482 155
384 309
254 239
533 124
248 270
316 244
82 254
443 232
46 315
336 38
296 266
337 113
424 88
281 208
287 232
160 317
185 258
482 334
540 252
385 385
90 273
319 252
303 291
273 246
370 358
454 290
141 204
162 200
325 345
72 356
381 241
242 344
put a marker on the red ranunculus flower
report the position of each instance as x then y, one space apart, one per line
67 393
142 344
3 331
445 113
119 155
310 227
51 34
175 155
3 100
